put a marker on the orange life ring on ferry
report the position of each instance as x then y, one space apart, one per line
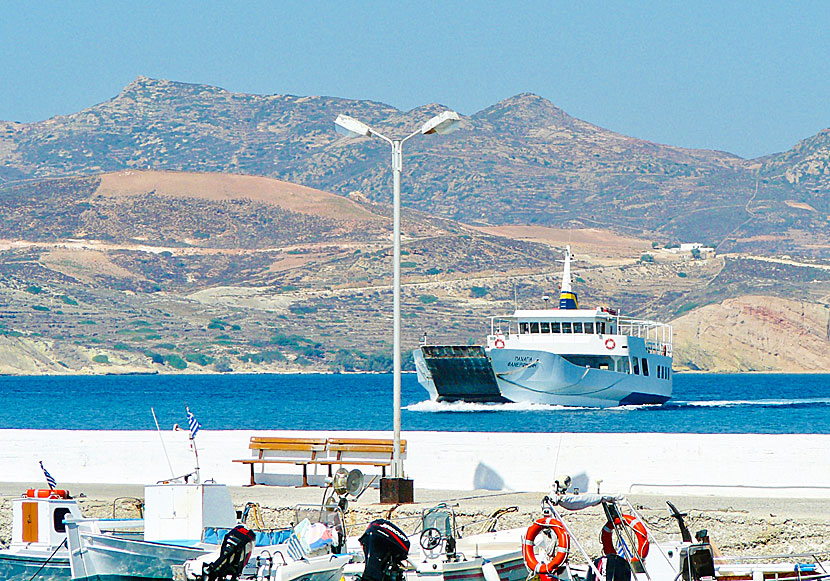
609 343
640 533
560 555
499 343
46 493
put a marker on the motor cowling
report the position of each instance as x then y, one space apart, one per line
234 554
385 547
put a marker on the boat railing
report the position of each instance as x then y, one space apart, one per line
657 336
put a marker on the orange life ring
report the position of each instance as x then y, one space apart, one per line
609 343
499 343
560 555
46 493
640 533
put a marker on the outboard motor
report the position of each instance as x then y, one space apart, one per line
234 554
386 548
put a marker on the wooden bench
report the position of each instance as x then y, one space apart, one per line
299 451
360 452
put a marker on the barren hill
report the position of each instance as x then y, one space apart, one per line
520 161
172 271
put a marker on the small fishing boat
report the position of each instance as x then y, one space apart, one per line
566 355
177 517
38 545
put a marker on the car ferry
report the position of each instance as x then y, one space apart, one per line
567 356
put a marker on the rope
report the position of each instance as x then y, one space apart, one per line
49 559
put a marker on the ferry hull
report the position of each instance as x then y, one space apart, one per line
548 378
522 375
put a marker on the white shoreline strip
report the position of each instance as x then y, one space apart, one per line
750 465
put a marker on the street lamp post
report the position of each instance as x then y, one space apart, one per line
441 124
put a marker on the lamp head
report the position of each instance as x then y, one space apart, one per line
442 124
351 127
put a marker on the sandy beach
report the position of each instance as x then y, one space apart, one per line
736 525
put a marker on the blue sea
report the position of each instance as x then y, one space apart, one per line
702 403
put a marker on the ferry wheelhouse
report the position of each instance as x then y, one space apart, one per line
557 356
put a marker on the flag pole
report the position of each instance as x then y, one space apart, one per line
163 447
193 426
195 453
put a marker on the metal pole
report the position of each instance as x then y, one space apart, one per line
397 464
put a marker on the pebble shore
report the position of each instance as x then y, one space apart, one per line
737 526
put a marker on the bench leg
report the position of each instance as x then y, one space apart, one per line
305 474
252 475
383 471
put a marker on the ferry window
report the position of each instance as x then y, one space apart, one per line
566 327
645 367
544 327
589 328
523 328
636 363
554 327
578 327
534 327
601 328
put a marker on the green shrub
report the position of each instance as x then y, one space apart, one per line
175 361
68 300
223 365
682 274
121 347
40 308
34 289
101 359
302 309
214 324
427 299
379 362
408 265
199 359
478 292
155 357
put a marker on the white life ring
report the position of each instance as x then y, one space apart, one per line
499 343
609 343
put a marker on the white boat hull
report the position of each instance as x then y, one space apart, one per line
24 566
547 378
105 557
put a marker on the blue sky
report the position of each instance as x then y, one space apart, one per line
751 78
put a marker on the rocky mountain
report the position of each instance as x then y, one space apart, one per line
522 160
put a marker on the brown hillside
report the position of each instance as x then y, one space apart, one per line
754 333
218 187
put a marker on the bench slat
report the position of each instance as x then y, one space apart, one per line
288 446
268 440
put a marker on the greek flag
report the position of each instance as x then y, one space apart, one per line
192 423
49 479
